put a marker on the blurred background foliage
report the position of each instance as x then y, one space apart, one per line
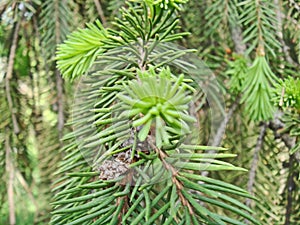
244 42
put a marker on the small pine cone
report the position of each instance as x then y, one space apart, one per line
111 169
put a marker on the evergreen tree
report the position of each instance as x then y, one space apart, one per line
130 159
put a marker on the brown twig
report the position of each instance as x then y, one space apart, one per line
260 50
9 74
60 102
237 38
253 168
124 207
296 5
290 188
221 130
100 11
162 155
240 48
276 125
59 81
10 184
26 188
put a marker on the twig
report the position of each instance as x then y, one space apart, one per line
13 49
253 168
59 81
100 11
10 184
275 125
237 38
60 93
290 186
296 5
26 188
240 48
9 73
124 207
221 130
162 155
289 142
142 61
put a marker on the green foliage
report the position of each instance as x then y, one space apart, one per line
3 50
288 97
257 90
221 16
133 162
237 72
277 40
4 121
288 93
88 43
258 16
151 190
157 98
22 62
165 4
56 20
94 40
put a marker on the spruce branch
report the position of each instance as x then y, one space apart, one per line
261 23
147 122
258 90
